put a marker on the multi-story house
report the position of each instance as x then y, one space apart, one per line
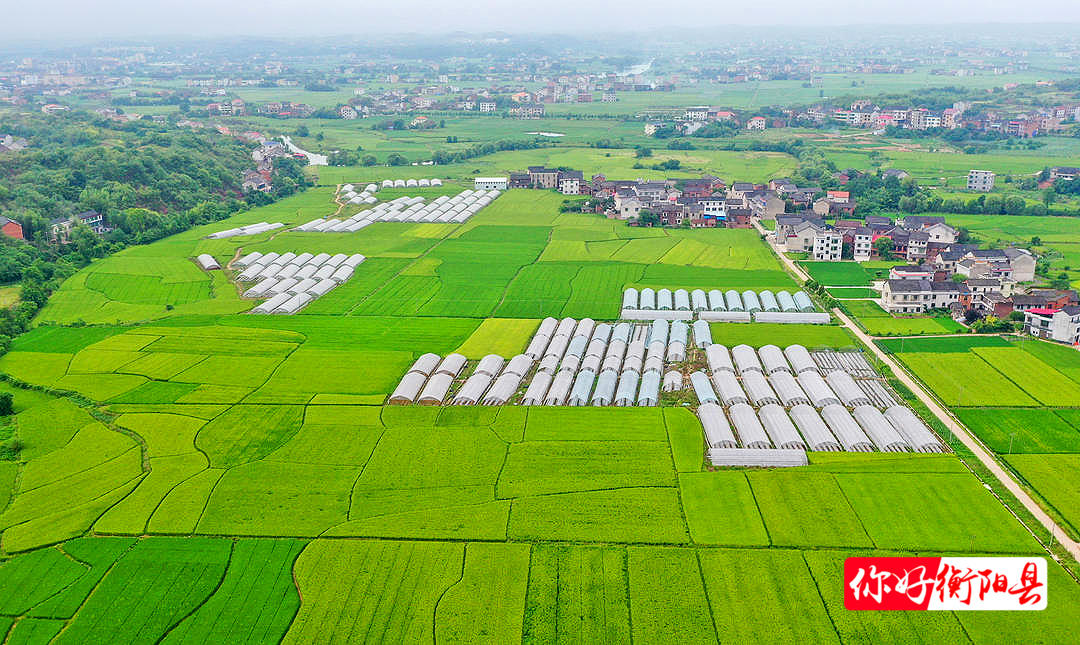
980 180
1061 325
916 296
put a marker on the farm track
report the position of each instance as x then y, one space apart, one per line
976 448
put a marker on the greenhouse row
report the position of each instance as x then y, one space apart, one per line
493 382
715 300
444 209
835 429
289 281
250 229
853 363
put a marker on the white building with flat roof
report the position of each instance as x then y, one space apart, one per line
490 183
981 180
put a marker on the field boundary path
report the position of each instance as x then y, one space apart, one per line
1072 546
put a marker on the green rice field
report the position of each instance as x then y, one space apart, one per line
191 473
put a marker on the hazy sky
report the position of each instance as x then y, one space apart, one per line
92 19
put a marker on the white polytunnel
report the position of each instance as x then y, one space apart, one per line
817 390
621 332
626 394
682 300
585 328
616 348
750 301
746 359
537 390
698 300
491 365
733 301
286 258
650 389
647 299
605 388
591 363
813 429
283 286
302 286
557 348
676 352
549 363
718 432
716 300
878 428
601 332
566 327
408 389
322 287
653 364
435 390
913 429
537 346
207 262
800 359
560 388
342 274
780 428
673 381
426 364
270 270
656 350
772 358
787 388
843 426
577 346
261 287
273 303
658 332
751 433
719 359
678 334
547 327
248 259
635 356
569 363
846 388
664 301
288 271
702 334
703 388
473 389
728 387
251 273
519 365
768 301
302 259
758 389
786 302
596 347
803 302
579 393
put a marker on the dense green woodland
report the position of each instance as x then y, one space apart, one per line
149 180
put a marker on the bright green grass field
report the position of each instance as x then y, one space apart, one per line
1056 479
879 322
248 485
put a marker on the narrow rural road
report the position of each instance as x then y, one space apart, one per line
962 434
313 159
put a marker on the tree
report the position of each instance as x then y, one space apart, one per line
303 131
369 160
884 248
1014 205
396 159
648 218
7 406
642 152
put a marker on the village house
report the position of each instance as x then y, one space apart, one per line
1058 324
60 227
917 296
11 228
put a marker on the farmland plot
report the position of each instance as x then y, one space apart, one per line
965 380
1046 384
577 594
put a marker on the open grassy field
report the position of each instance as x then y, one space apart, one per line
225 477
879 322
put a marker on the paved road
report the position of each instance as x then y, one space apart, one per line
1002 475
962 434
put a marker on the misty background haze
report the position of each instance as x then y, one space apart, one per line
84 21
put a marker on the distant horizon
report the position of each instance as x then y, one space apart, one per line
276 19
